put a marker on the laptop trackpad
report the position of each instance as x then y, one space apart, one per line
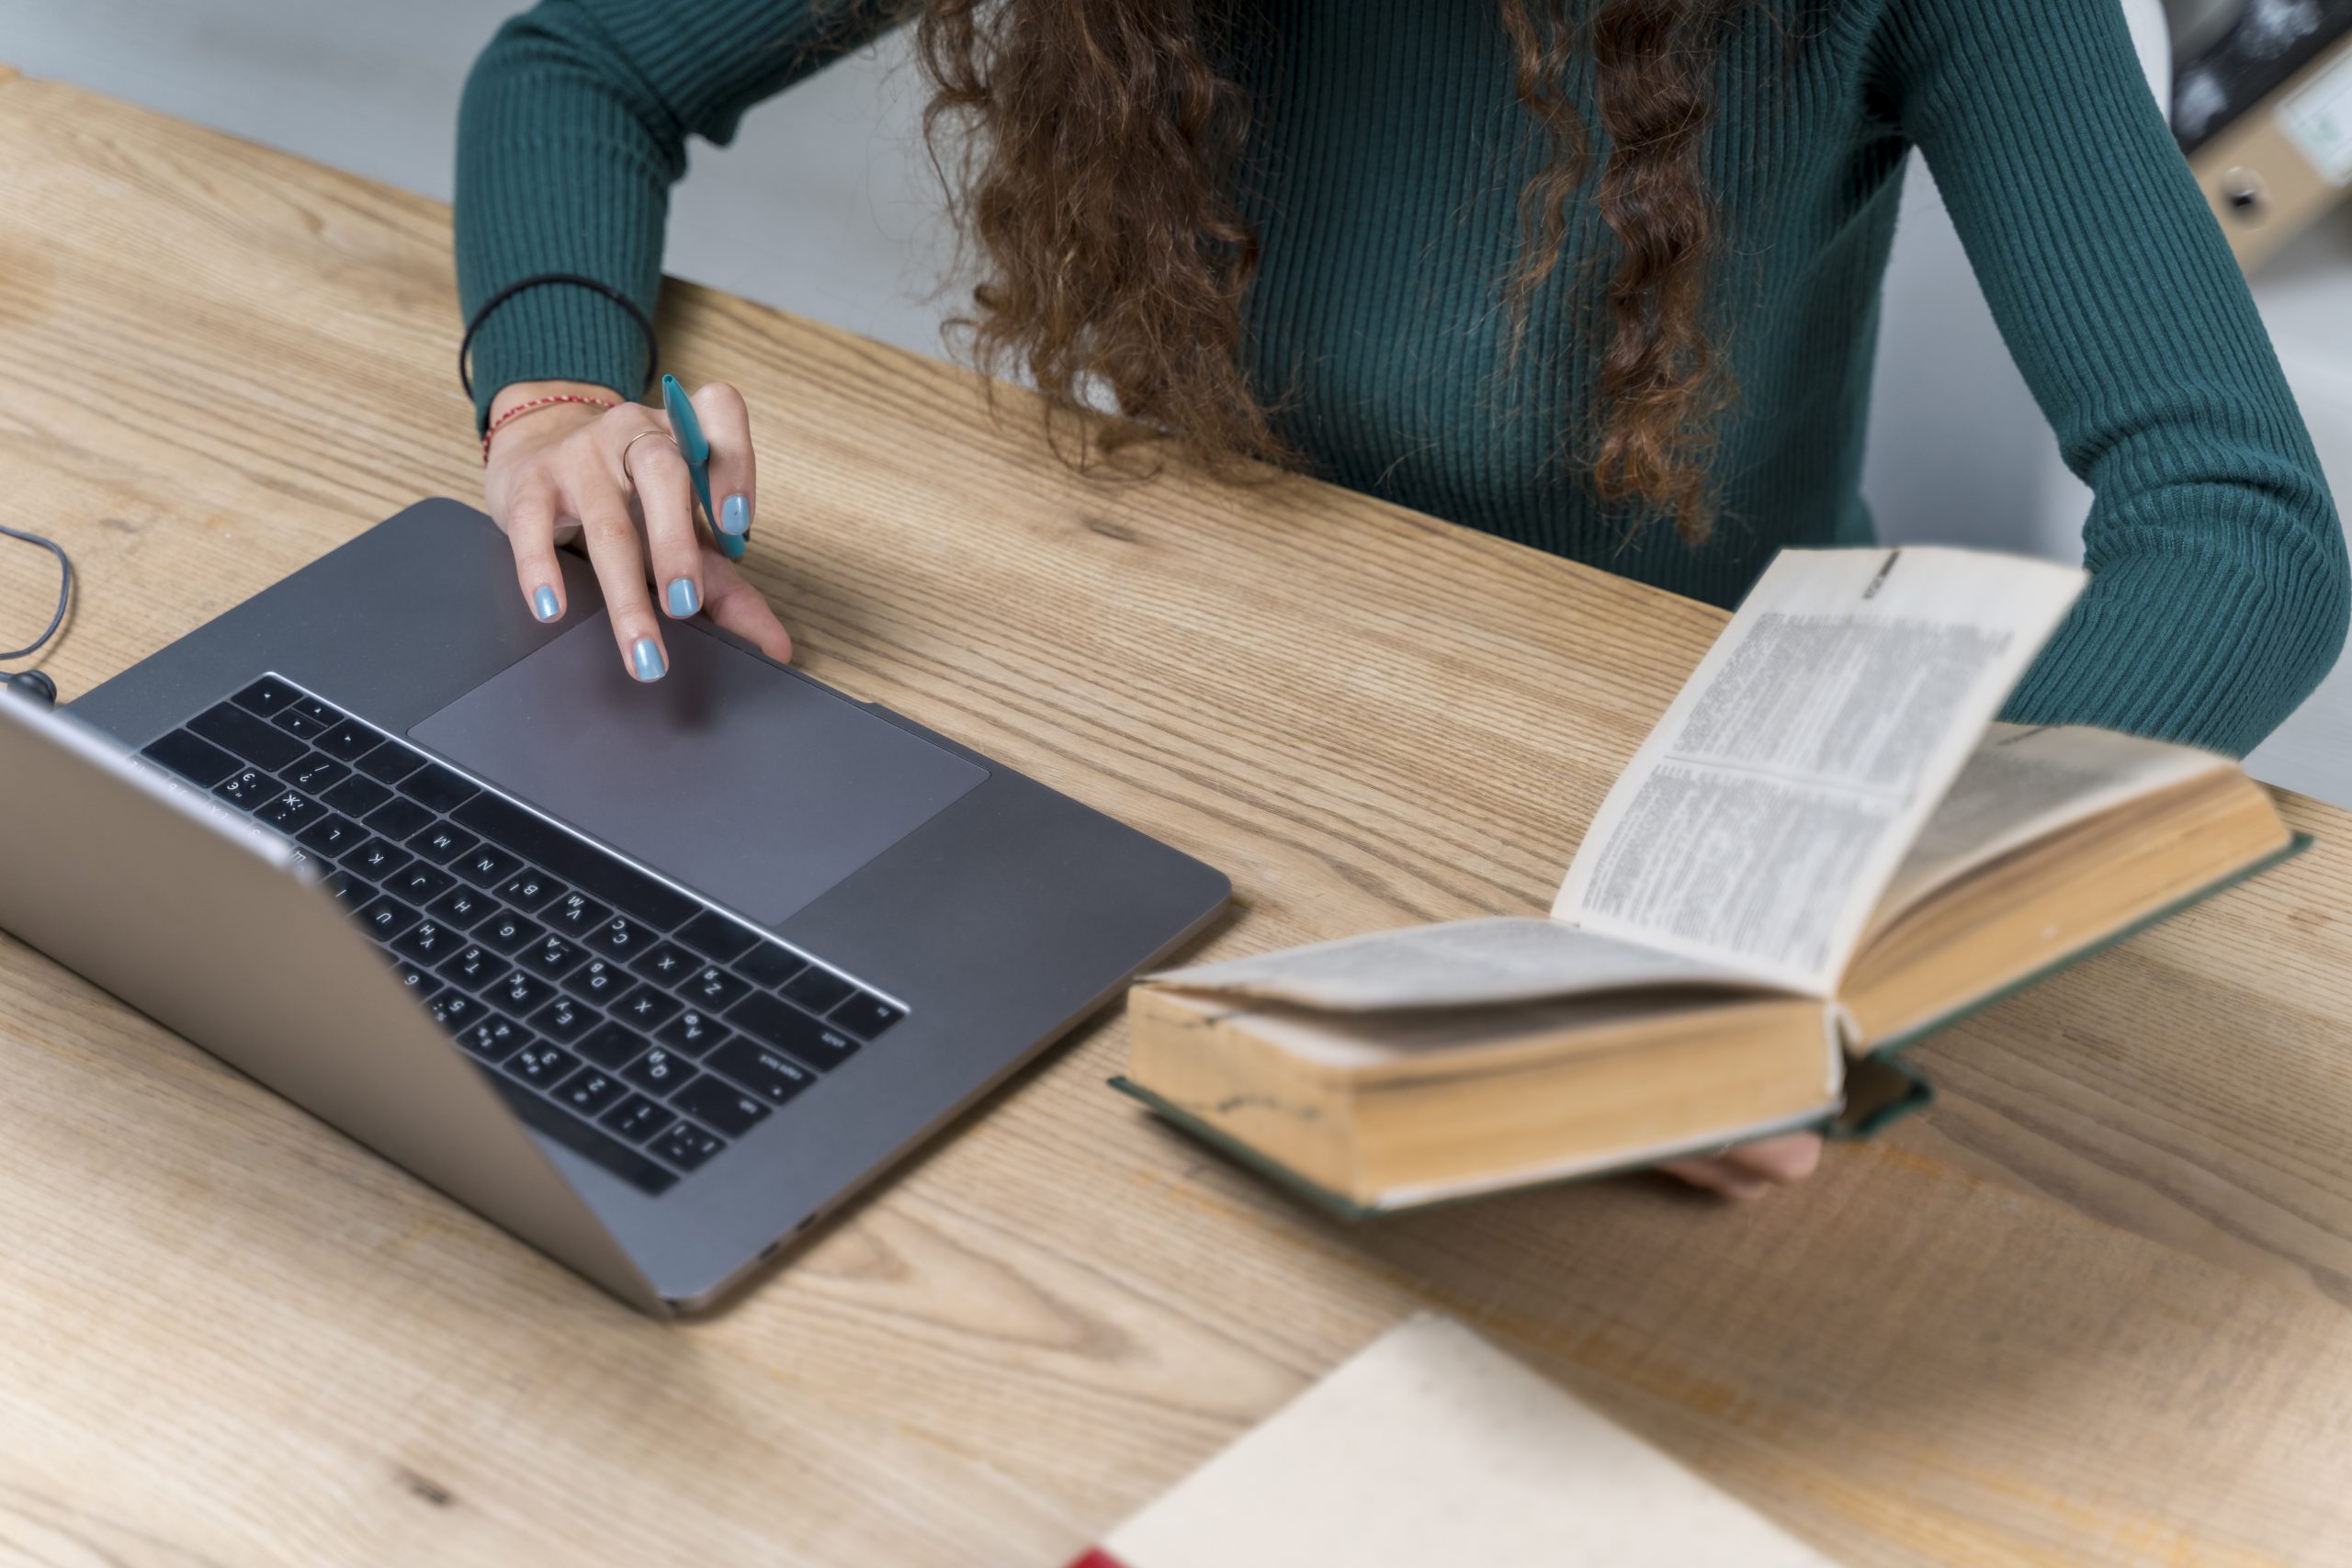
748 785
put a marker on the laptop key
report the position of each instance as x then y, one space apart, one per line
387 917
531 889
521 993
455 1010
246 788
713 935
818 990
255 740
687 1145
494 1037
377 859
420 883
771 1075
486 865
268 697
559 1125
715 988
315 772
647 1008
420 985
564 1020
541 1064
379 757
598 980
351 892
866 1015
355 797
399 820
289 811
610 1044
770 965
721 1104
509 932
296 722
463 907
192 757
440 843
776 1023
576 914
692 1033
666 964
428 943
436 788
589 1092
475 967
636 1118
551 956
312 708
622 939
332 834
660 1072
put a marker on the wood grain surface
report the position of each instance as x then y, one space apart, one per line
2095 1308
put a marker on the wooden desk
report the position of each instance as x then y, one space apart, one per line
2098 1307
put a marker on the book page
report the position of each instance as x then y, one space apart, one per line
2021 784
1460 964
1757 826
1434 1450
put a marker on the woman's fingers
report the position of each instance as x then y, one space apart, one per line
1717 1176
613 550
665 496
530 529
742 609
734 471
1750 1171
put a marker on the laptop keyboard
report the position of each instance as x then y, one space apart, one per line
639 1027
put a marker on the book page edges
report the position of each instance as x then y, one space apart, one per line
1912 1035
1434 1196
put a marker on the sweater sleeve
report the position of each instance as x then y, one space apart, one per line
572 131
2219 591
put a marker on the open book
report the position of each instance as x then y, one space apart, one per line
1825 850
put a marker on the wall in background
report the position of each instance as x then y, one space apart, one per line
827 207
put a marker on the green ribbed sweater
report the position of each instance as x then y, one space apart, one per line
1387 156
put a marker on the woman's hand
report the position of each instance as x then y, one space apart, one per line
1750 1171
616 477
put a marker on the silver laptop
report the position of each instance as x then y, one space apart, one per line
654 976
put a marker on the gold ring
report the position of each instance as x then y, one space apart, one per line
633 441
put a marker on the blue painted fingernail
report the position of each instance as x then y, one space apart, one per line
683 600
646 654
543 604
735 516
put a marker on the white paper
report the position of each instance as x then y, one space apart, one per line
1460 963
1759 824
2022 784
1434 1450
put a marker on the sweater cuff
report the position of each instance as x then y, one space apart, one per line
558 332
2188 646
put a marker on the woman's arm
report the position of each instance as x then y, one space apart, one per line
2220 590
573 129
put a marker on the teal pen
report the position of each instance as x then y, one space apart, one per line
695 447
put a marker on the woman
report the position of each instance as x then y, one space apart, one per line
1598 276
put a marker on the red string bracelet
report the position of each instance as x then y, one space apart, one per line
511 415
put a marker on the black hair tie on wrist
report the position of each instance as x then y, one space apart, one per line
652 345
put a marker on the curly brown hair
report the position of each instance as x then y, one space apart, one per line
1091 147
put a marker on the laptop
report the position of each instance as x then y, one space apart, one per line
653 976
